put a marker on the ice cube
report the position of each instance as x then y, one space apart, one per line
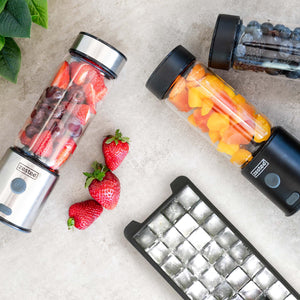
225 265
186 225
238 278
237 297
211 279
226 238
250 291
199 238
290 297
213 225
185 251
159 224
252 265
172 238
277 291
223 291
212 252
174 211
187 197
239 252
146 238
184 279
200 212
198 265
210 297
264 279
197 291
172 265
158 252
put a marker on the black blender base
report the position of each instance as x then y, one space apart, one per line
14 226
275 171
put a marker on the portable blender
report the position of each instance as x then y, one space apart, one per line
29 170
269 157
260 46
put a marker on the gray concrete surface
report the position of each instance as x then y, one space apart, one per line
54 263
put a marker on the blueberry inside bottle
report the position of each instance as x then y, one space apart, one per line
268 47
29 169
268 156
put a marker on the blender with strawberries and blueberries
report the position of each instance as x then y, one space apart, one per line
269 157
29 170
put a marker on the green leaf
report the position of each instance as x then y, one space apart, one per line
2 5
39 12
88 181
15 20
10 60
2 42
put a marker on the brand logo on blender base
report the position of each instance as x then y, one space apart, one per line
27 171
259 168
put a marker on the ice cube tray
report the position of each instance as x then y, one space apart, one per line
201 254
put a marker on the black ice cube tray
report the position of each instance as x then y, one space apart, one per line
201 254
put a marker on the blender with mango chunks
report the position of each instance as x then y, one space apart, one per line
268 156
29 170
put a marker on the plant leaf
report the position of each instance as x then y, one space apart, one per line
15 20
88 182
2 5
2 42
39 12
10 60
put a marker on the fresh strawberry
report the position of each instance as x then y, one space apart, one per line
103 186
80 71
62 77
25 140
99 86
41 144
115 148
90 96
83 214
68 149
80 111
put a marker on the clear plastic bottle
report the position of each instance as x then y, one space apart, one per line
29 170
65 108
258 46
233 125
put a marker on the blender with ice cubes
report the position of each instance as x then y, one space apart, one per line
269 47
269 156
29 170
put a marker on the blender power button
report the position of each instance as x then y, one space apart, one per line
292 198
18 185
272 180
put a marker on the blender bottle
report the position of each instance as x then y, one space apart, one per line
261 47
29 170
269 157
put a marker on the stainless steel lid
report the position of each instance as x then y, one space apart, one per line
99 52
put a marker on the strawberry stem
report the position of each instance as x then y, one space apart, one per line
71 223
98 174
117 137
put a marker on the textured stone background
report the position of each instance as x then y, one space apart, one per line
52 263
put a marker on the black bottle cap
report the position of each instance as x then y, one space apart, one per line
275 170
173 65
224 41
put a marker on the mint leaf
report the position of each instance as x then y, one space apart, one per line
2 5
15 20
2 42
39 12
10 60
